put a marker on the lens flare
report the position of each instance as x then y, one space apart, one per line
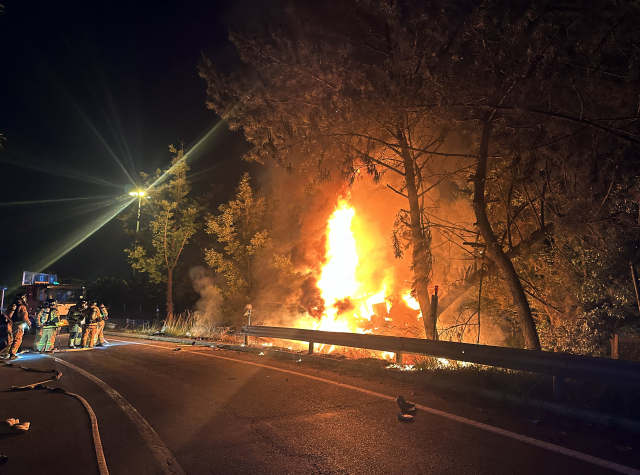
78 237
193 152
61 171
59 200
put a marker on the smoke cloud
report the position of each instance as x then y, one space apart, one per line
298 226
207 311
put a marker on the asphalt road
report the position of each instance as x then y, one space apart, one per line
203 411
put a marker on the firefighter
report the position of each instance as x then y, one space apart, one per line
75 317
49 321
91 315
36 340
19 316
104 316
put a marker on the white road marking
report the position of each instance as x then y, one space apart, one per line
161 452
496 430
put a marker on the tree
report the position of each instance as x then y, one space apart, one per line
173 220
241 231
543 89
341 100
530 93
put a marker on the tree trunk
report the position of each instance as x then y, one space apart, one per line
473 279
495 251
169 295
420 250
634 277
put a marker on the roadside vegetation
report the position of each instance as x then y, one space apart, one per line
509 135
182 325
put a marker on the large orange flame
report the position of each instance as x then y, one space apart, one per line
338 279
344 296
350 305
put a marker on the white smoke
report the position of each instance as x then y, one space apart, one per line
207 309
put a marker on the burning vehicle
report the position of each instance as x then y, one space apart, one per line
352 305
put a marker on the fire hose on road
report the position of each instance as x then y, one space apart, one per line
102 464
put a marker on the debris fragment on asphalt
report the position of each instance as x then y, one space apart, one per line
405 406
405 417
624 448
261 353
176 349
536 421
3 459
13 426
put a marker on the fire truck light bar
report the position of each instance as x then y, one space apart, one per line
31 278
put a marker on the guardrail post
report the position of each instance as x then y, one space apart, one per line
247 313
399 358
558 383
311 344
615 347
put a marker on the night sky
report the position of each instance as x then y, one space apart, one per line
92 93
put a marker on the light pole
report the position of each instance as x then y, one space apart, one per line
2 300
140 194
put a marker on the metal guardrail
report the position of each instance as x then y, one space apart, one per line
621 338
558 365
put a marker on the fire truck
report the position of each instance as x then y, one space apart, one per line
40 287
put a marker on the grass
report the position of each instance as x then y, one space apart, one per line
187 325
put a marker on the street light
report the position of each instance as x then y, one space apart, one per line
140 194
